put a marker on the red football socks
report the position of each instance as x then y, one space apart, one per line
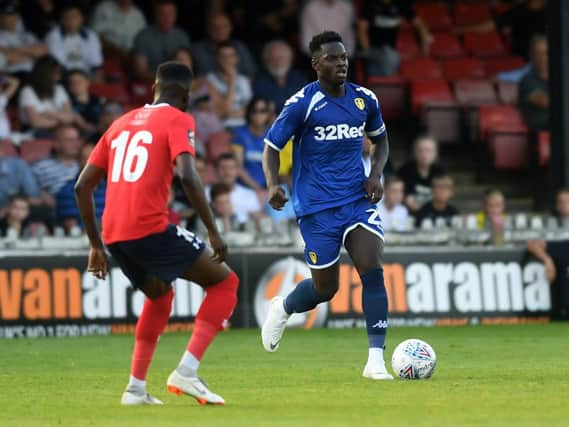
150 325
212 317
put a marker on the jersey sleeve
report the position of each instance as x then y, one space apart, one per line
374 123
182 136
287 123
100 155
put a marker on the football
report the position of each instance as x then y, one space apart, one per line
414 359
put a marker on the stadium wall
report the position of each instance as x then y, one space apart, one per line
53 295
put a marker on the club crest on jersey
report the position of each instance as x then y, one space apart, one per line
360 103
313 257
191 138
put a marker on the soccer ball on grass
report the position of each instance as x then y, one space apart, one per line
414 359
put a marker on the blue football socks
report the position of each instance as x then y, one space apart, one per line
303 298
374 303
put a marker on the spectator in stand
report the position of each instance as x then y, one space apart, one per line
519 24
248 144
439 207
377 29
159 42
494 208
117 22
16 177
53 172
393 213
318 16
19 47
16 221
219 33
43 103
244 200
39 16
533 97
83 102
417 174
222 207
561 215
66 212
74 45
278 81
8 87
110 111
234 89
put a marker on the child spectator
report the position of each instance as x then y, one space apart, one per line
248 144
393 213
439 206
74 45
8 87
83 102
494 207
222 208
16 221
43 103
418 173
562 208
111 111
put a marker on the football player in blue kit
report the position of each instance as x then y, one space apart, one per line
335 203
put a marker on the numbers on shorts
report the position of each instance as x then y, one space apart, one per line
131 157
374 217
189 236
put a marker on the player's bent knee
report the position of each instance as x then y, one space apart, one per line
220 301
327 292
155 288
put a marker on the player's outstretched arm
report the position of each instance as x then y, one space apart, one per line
90 177
195 193
380 153
271 164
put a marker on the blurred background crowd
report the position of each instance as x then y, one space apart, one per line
463 86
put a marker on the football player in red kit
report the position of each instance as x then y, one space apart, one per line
137 156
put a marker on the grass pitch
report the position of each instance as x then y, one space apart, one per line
486 376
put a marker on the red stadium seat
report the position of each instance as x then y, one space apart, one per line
217 144
544 147
33 150
113 70
391 91
111 91
463 68
7 149
425 91
510 146
435 15
407 45
14 118
421 69
507 93
446 45
442 120
140 93
494 116
468 13
474 92
506 63
484 44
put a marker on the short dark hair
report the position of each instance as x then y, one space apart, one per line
393 179
218 189
443 177
174 72
562 190
326 37
18 196
224 44
225 156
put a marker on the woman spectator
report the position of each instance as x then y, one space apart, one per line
248 143
44 104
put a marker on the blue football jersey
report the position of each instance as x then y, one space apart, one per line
327 138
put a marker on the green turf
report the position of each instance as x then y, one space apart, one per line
486 376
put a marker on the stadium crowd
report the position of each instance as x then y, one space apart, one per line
70 68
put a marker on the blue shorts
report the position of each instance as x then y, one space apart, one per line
165 255
325 232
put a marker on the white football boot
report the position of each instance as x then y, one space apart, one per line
376 371
274 326
193 386
131 398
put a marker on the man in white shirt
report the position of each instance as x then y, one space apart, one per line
392 212
19 46
75 46
118 22
244 200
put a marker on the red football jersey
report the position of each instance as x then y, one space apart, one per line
138 152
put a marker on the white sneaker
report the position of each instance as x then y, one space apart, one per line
193 386
376 372
274 326
130 398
